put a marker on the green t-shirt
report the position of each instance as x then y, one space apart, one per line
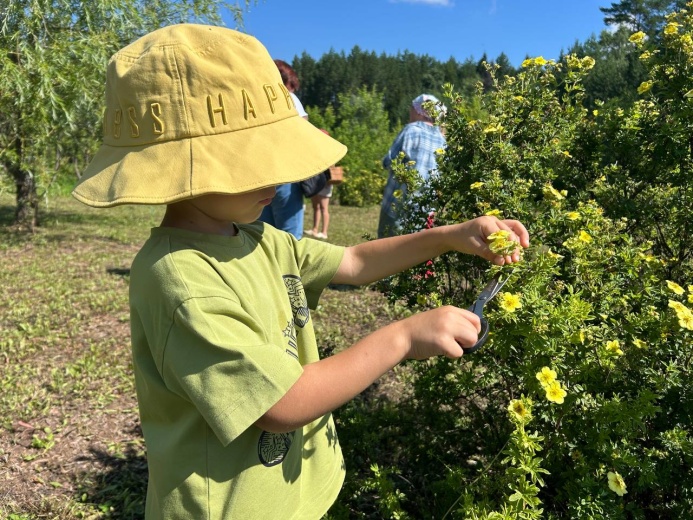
220 332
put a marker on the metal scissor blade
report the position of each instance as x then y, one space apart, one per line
493 287
487 293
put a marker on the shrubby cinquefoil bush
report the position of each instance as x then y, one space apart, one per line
580 405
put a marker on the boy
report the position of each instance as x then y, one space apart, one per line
234 402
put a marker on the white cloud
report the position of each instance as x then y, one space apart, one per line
443 3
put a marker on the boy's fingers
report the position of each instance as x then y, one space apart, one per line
518 232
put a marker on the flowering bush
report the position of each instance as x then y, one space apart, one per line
589 356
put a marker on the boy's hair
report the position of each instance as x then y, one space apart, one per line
194 109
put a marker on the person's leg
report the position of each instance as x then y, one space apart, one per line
286 210
387 225
324 209
315 202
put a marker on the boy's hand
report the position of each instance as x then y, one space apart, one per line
439 332
472 237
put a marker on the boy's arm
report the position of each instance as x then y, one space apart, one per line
331 382
377 259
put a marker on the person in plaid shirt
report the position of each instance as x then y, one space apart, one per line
418 140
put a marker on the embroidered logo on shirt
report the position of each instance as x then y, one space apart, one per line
297 297
289 333
273 447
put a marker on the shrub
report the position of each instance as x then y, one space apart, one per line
360 121
579 405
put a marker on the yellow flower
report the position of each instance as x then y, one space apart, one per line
588 62
675 288
584 236
616 483
644 87
552 193
637 38
551 254
639 343
566 153
546 376
690 289
555 393
683 313
527 63
498 241
671 28
540 61
440 151
519 411
493 128
510 302
573 61
493 213
614 347
686 320
499 235
572 215
476 185
677 306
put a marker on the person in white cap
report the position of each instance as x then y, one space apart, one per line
418 141
234 400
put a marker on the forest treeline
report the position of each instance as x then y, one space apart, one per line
615 78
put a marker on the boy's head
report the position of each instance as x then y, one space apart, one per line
195 109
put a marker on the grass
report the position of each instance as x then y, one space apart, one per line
70 442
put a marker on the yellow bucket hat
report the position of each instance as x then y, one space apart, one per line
195 109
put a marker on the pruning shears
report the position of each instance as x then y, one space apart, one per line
492 288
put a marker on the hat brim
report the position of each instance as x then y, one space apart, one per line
285 151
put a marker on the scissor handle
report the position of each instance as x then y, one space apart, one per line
483 336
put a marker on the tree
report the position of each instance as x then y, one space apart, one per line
358 119
53 56
641 15
505 68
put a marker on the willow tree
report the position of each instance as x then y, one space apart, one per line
53 56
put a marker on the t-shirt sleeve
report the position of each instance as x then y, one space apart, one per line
318 263
217 356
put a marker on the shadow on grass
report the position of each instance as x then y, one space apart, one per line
47 216
119 271
120 490
7 214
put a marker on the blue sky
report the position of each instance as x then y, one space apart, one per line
440 28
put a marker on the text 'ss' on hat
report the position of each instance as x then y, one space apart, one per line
195 109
